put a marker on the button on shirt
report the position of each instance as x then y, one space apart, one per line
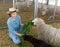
14 26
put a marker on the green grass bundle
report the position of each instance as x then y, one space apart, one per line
25 30
26 27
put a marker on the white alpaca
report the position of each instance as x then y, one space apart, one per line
48 33
22 5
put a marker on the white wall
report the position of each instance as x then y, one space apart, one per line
51 2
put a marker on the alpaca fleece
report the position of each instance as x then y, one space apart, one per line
48 33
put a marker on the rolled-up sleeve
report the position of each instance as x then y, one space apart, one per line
11 29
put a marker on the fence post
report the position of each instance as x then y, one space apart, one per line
55 8
13 3
35 8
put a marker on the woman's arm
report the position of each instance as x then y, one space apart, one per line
12 30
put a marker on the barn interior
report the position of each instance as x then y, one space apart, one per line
49 10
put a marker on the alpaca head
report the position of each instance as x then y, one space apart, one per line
38 21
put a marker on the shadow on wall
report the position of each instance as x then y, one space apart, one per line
36 42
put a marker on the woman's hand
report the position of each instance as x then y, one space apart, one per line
19 34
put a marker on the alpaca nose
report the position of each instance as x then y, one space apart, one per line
33 21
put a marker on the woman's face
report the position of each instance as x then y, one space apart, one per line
13 15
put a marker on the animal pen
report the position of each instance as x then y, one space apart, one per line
30 10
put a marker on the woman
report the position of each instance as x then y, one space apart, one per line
14 25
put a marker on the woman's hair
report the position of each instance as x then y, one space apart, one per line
10 13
